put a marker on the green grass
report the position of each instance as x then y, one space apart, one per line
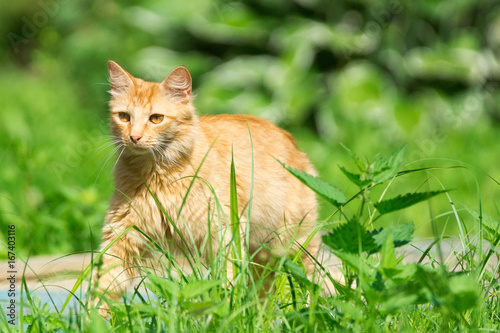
377 291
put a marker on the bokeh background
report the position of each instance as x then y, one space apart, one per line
372 75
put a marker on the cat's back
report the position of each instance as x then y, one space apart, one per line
243 131
248 137
239 124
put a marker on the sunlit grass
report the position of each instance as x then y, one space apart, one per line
376 291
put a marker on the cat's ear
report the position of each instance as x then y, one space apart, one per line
178 84
120 80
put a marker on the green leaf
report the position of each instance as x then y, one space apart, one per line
432 282
398 301
350 237
355 178
358 264
328 192
162 287
203 308
97 323
348 309
356 159
491 225
298 272
384 169
292 285
387 254
403 273
401 234
404 201
197 288
465 292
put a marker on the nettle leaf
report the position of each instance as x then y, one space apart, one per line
404 201
491 225
348 309
359 265
350 237
465 292
328 192
456 291
387 253
402 273
163 287
401 234
398 301
355 178
384 169
356 159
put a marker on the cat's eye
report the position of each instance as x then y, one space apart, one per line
123 116
156 118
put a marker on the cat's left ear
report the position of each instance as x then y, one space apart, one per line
178 84
120 80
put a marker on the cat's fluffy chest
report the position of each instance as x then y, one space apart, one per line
165 204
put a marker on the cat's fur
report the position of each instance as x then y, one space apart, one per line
163 158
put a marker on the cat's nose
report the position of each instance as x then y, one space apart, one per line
135 139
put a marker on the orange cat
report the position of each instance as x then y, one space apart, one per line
163 144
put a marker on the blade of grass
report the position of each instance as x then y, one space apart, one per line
235 221
247 227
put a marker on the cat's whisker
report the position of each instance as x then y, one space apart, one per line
120 155
164 155
158 151
101 138
108 156
165 141
105 139
97 143
168 144
112 153
107 145
153 153
178 151
171 158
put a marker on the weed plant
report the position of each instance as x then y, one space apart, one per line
377 290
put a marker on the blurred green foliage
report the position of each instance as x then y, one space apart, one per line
369 74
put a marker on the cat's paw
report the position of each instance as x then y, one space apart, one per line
101 306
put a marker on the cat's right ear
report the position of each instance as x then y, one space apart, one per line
178 84
120 80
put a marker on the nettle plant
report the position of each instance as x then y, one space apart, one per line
376 283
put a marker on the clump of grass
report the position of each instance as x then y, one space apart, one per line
378 291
